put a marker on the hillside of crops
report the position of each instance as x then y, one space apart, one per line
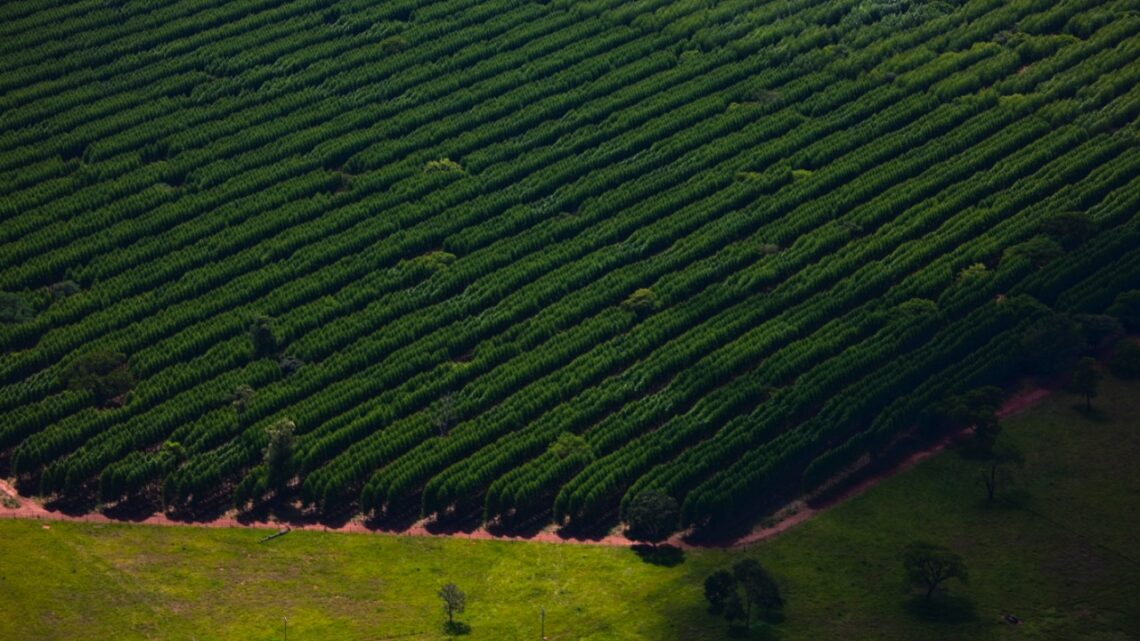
527 260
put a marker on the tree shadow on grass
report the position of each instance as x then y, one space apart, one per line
1095 415
758 632
942 609
456 628
668 556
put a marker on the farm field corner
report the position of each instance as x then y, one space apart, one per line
1063 559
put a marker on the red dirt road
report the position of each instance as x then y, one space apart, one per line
796 514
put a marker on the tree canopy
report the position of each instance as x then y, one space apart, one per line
652 516
928 566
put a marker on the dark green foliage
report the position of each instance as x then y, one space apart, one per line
1126 307
652 517
976 409
1069 228
996 473
720 586
263 337
1038 251
289 364
104 373
734 594
1051 345
279 463
14 308
928 566
1100 330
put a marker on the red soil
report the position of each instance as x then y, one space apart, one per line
795 515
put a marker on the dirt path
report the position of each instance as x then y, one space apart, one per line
794 514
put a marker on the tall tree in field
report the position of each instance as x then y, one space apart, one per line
929 566
760 588
454 602
997 473
652 516
1086 381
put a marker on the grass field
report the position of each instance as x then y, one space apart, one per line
1065 561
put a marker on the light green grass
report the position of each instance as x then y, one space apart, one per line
1066 562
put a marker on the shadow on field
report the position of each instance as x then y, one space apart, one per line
942 609
665 555
456 628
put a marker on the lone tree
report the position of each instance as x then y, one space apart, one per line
239 400
1086 381
445 413
928 566
279 453
997 473
641 301
719 588
652 517
263 337
1069 228
454 601
976 409
103 373
734 594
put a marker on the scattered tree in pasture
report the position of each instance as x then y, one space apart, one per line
1086 381
760 589
996 473
928 566
976 409
652 516
454 602
720 586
